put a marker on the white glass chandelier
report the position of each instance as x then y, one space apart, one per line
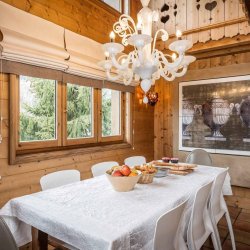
145 63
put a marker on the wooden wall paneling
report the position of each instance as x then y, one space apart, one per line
157 5
167 119
193 20
231 12
170 24
217 16
244 28
204 20
158 120
77 18
181 15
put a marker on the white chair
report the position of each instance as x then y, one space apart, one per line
135 161
59 178
200 226
166 228
102 167
200 157
218 207
7 241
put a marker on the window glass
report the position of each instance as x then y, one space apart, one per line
116 4
37 109
79 111
111 112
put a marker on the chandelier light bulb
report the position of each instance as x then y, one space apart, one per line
174 56
178 34
112 36
106 55
139 27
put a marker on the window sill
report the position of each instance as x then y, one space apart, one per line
42 156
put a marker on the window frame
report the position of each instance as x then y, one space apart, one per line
111 138
79 141
15 91
61 147
122 8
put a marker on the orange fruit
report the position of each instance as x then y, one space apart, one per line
133 174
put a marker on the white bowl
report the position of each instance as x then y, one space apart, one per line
123 183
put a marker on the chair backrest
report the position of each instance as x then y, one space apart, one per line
7 241
59 178
101 168
216 193
200 157
197 225
135 161
166 228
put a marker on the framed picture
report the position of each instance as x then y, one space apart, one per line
214 115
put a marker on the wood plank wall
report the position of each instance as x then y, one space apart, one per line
90 18
166 120
17 180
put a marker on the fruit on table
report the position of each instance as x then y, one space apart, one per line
117 173
125 170
122 171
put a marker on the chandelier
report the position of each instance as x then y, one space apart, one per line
144 64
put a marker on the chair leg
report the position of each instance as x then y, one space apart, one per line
216 244
229 224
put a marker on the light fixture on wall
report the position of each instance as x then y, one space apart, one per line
145 63
152 98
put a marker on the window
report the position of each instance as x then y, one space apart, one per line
80 113
50 115
116 4
111 112
119 5
37 109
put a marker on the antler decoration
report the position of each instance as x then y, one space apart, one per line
124 29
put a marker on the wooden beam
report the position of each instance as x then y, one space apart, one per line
226 46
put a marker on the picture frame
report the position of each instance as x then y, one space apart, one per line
214 115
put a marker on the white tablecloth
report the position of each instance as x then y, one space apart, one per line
91 215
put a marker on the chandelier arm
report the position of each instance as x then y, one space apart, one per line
173 65
112 78
117 65
124 29
182 73
169 79
127 82
164 37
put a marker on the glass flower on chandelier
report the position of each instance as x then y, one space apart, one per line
145 64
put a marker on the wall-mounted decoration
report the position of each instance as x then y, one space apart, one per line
214 115
204 15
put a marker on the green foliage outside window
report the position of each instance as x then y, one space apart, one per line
37 109
79 111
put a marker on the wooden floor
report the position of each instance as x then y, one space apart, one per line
241 225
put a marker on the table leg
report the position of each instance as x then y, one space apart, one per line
39 240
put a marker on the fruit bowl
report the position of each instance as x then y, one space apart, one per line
123 183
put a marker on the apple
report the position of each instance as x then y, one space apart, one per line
125 170
117 173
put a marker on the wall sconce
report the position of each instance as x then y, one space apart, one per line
152 98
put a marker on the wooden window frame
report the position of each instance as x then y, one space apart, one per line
61 147
113 138
79 141
110 8
15 121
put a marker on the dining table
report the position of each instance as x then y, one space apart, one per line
90 214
